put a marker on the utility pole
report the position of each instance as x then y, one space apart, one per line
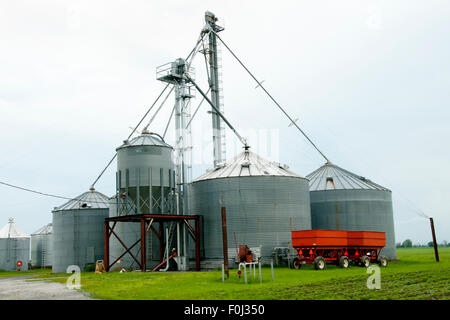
436 253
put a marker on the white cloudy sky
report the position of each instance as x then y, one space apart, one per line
368 80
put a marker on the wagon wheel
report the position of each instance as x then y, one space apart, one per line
319 263
344 262
382 260
296 264
365 261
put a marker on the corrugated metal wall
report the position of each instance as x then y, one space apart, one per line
13 250
77 237
42 250
261 210
356 209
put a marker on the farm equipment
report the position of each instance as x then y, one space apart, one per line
339 247
245 254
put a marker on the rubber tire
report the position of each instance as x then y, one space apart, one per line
296 264
319 263
344 262
382 261
365 261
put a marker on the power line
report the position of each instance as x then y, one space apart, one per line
34 191
42 193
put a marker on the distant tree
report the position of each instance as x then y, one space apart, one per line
431 244
398 245
444 243
407 243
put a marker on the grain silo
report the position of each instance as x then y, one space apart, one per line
342 200
14 247
78 231
264 202
145 183
42 247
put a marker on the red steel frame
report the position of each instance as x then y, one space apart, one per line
146 221
333 254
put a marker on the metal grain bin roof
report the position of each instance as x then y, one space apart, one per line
47 229
248 164
89 200
145 139
11 230
331 177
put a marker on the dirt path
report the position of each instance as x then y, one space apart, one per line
22 288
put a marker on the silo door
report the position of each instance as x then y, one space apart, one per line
90 258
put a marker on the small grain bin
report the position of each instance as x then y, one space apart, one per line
145 184
42 247
14 247
264 202
78 231
342 200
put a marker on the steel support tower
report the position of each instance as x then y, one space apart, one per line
173 73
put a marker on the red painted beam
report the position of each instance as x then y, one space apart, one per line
106 245
143 257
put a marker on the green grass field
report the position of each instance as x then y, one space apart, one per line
415 276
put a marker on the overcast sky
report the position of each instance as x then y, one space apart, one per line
368 80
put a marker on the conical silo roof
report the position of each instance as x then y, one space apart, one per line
91 199
11 230
47 229
331 177
248 164
145 139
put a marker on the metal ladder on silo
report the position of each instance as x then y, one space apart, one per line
221 104
14 251
43 251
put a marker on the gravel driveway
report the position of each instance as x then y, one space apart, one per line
22 288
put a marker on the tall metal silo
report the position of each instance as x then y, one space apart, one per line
145 184
342 200
42 247
78 231
14 247
264 202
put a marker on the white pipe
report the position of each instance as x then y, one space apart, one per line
184 244
167 251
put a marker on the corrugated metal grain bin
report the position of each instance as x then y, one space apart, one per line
42 247
145 182
78 231
264 201
14 247
341 200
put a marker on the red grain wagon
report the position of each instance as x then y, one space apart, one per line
339 247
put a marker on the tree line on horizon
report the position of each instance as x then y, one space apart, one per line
409 244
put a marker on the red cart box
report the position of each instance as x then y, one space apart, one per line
366 239
322 238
